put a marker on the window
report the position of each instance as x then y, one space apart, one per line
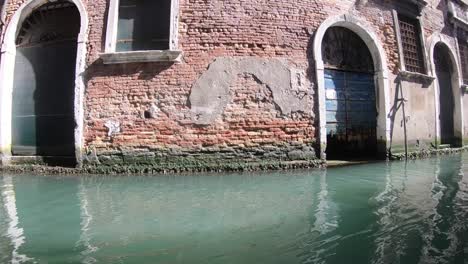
411 44
463 47
143 25
141 31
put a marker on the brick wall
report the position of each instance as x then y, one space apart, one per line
150 101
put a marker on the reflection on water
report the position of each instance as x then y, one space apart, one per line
86 218
12 231
396 212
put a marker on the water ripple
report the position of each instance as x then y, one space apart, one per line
396 212
14 232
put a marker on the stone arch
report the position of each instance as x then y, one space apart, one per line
366 33
434 40
8 53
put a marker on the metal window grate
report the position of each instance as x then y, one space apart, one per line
411 42
463 45
464 61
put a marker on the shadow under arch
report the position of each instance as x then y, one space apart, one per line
439 39
364 31
7 65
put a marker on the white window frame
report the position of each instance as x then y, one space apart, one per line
111 56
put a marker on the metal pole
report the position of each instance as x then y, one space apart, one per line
403 100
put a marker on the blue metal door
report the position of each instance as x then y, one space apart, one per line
351 114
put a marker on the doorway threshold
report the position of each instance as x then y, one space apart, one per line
444 146
343 163
51 161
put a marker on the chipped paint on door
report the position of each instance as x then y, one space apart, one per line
351 113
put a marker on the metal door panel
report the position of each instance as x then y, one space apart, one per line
43 95
359 77
359 86
360 96
334 117
351 113
364 107
334 80
335 105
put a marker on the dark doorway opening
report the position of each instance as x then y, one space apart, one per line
43 92
350 96
444 71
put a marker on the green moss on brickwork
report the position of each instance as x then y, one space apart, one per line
202 163
382 151
176 159
147 165
413 147
426 153
173 165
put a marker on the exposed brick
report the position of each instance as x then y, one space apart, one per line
211 29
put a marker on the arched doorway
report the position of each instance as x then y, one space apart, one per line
350 97
43 119
444 72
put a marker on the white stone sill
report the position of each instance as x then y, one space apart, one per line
416 76
141 56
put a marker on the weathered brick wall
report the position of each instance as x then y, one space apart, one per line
435 19
249 129
208 30
151 102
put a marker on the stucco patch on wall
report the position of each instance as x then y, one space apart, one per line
210 93
113 127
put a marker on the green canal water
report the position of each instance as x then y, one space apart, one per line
398 212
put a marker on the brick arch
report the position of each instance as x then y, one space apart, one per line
8 53
366 33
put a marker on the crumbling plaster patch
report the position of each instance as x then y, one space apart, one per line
113 127
210 93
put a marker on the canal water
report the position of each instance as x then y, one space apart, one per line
398 212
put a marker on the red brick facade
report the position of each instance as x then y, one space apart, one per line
151 102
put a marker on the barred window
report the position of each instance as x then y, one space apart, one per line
463 47
411 44
143 25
